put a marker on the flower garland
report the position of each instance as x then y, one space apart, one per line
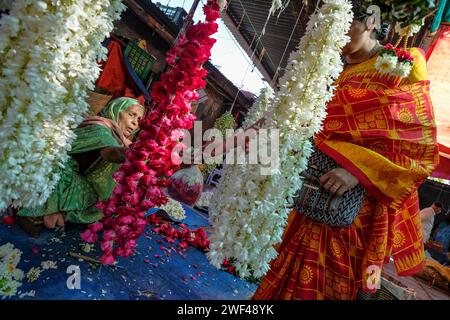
10 276
248 210
48 60
259 107
394 61
223 123
149 162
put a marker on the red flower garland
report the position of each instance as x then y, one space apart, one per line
148 164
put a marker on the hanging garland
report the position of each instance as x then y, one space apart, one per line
223 123
149 161
48 60
249 210
259 107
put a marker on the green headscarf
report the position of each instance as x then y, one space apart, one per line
116 106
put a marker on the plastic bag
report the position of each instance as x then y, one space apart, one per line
186 185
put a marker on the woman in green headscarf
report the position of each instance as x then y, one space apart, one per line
96 153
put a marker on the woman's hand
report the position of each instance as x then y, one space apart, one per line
113 154
338 181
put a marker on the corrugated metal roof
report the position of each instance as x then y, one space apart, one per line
246 18
272 48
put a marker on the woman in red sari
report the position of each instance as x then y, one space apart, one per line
380 129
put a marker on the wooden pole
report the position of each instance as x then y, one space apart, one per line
189 18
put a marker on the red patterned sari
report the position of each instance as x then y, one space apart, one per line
381 129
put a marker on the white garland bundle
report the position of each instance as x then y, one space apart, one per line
174 209
48 59
260 107
249 210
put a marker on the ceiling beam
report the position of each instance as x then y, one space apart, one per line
233 27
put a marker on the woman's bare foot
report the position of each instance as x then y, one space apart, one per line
51 220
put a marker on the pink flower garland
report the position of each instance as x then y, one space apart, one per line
149 164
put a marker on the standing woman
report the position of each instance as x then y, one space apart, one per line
96 154
380 129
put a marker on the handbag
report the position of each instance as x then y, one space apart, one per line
315 202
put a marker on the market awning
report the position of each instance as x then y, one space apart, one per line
246 20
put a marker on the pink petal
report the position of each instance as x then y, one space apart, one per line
109 235
96 227
8 220
89 236
107 259
106 246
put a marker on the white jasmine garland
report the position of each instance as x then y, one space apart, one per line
174 209
259 107
403 69
205 199
386 64
409 30
48 60
248 210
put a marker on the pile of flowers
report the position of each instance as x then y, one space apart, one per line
48 61
10 276
174 209
394 61
186 237
149 161
249 210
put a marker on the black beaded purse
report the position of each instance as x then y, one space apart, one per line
315 202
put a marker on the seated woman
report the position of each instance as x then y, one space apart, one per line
96 153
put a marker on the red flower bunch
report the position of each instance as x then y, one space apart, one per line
141 179
402 54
